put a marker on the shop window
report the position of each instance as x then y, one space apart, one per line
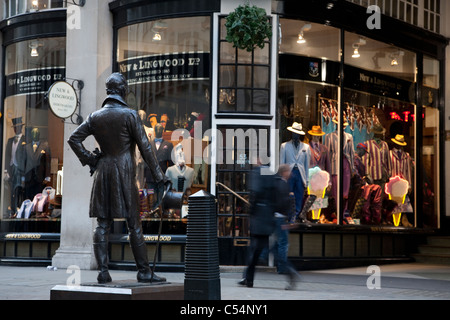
167 65
379 153
244 77
307 89
380 115
431 152
15 7
33 150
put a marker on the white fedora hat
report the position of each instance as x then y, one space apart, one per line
297 128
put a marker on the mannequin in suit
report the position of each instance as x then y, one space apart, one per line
37 169
297 155
15 164
163 151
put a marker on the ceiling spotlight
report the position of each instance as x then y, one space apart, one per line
301 39
395 56
356 45
34 52
157 37
158 28
34 48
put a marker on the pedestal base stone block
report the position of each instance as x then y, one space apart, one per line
119 290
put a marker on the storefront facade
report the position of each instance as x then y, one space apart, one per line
220 109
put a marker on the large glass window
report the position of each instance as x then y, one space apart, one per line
33 137
380 122
430 143
167 65
15 7
378 183
308 95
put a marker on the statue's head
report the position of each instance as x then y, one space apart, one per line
116 84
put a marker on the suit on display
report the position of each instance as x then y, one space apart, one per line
297 155
15 164
37 170
163 150
117 129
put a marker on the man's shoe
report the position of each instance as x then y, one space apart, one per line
103 277
244 282
147 277
293 278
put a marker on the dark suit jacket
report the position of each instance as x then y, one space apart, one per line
38 162
117 129
16 173
164 155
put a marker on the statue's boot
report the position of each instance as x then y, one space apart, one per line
101 235
139 249
101 255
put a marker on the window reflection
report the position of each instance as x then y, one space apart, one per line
167 65
33 149
380 116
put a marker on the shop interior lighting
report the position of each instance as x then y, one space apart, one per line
34 6
157 37
356 46
301 37
395 57
34 48
356 54
157 29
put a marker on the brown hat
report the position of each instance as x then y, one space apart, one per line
378 129
316 131
400 140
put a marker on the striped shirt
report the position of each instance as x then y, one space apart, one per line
401 164
331 142
377 160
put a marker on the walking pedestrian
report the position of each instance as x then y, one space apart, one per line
282 208
262 221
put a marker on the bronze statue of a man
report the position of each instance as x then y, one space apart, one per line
118 130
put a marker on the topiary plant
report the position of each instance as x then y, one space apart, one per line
247 27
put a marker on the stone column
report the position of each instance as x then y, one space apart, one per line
89 58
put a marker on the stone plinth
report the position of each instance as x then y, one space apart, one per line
119 290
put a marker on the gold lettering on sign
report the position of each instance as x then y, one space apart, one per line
23 236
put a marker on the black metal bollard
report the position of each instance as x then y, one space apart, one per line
202 273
